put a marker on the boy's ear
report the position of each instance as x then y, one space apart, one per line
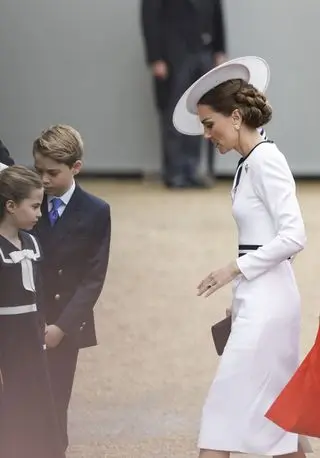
76 167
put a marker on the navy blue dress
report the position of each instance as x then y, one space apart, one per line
28 423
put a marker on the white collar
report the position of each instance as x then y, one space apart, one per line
66 196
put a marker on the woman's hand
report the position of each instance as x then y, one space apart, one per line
217 279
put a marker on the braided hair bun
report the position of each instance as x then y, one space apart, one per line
237 94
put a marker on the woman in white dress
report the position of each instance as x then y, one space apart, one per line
262 352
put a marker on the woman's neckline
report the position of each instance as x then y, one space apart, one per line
251 151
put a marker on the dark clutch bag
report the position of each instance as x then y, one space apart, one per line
220 334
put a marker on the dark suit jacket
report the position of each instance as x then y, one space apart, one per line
4 155
174 29
174 26
74 266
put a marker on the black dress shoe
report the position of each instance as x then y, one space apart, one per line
177 184
200 183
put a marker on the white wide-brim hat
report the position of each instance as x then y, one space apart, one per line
253 70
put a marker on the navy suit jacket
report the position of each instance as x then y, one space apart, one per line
74 266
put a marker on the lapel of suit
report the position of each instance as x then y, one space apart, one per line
197 4
202 7
43 223
194 3
70 217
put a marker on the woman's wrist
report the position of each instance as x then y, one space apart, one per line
235 268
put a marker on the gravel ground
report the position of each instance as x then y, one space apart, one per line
139 394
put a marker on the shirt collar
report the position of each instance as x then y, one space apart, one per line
66 196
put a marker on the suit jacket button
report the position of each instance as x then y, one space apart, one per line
57 297
60 272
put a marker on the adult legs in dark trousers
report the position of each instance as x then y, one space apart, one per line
181 153
62 362
211 155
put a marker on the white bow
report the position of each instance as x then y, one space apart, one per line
25 258
18 256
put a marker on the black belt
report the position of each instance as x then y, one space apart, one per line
244 249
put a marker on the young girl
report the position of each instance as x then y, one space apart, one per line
28 425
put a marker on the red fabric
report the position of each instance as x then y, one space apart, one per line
297 408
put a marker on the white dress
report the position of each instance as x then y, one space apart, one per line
263 349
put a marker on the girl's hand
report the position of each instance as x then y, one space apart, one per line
217 279
53 336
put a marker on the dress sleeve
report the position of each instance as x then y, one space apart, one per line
273 183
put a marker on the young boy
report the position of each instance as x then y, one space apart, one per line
74 233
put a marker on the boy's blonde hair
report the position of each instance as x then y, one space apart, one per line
62 143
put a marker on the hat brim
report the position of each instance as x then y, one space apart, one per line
251 69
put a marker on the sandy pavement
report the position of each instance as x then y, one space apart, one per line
139 393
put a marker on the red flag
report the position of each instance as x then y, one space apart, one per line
297 408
